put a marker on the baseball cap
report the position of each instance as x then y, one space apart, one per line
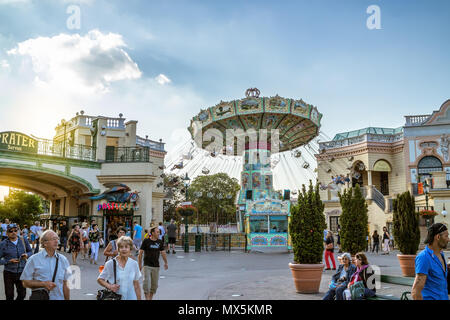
11 226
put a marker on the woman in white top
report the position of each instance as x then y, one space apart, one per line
127 272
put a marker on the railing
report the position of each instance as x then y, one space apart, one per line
367 137
378 198
154 145
77 151
115 123
416 120
128 154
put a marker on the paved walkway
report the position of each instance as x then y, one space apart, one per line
226 275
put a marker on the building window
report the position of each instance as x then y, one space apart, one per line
278 224
427 165
259 224
334 222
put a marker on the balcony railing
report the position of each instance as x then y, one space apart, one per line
128 154
154 145
65 150
367 137
416 120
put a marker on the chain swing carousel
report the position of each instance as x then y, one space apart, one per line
280 124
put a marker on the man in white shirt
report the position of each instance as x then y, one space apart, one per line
40 268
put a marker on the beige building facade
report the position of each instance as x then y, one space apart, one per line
386 162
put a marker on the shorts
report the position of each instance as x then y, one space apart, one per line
33 237
86 242
137 243
172 240
151 277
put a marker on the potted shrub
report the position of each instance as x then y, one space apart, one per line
406 232
306 227
353 221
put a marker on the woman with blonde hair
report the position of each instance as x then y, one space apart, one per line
121 274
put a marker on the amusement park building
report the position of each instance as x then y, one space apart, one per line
87 156
386 162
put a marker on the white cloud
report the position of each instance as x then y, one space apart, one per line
82 64
162 79
4 64
13 1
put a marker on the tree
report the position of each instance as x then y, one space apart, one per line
175 194
306 226
406 224
21 207
214 194
353 220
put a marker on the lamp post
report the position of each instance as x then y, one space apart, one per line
444 212
186 180
427 190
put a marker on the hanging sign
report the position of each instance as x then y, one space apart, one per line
420 188
117 206
382 166
16 141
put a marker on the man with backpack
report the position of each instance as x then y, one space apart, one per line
14 252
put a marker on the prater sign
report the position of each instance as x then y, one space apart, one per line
16 141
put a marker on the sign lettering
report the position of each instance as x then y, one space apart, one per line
16 141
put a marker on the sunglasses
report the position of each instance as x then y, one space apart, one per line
11 230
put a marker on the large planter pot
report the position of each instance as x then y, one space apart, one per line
307 277
407 263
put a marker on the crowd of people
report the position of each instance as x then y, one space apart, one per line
354 279
31 259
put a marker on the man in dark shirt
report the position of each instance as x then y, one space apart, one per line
151 248
172 235
63 237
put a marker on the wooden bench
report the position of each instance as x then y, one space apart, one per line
404 281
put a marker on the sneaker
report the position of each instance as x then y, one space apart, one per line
333 269
173 251
168 251
327 269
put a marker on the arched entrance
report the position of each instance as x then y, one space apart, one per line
380 176
428 165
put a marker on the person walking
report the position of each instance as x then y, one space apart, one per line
111 249
4 227
75 242
36 232
341 278
47 272
85 239
172 233
431 268
151 249
386 239
329 250
14 252
365 274
64 231
375 241
137 237
127 272
94 238
25 232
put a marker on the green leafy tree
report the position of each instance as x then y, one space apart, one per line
175 194
214 195
353 220
306 226
406 224
21 207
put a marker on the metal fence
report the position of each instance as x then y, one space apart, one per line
217 241
127 154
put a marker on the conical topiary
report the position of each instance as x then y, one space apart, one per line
406 224
306 226
353 221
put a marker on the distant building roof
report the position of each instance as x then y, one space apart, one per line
373 130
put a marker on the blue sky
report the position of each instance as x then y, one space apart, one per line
167 59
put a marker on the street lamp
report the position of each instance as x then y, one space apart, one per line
444 212
427 190
186 180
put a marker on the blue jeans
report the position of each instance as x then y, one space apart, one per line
63 242
336 293
368 293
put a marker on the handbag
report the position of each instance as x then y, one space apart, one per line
43 293
357 290
107 294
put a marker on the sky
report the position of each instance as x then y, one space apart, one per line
160 62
